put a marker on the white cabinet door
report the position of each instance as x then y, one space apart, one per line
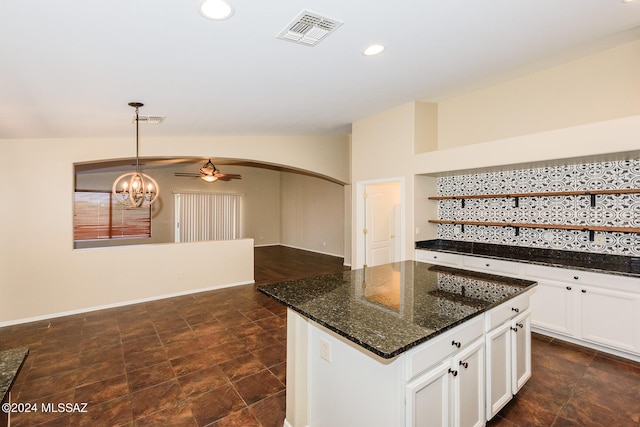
552 307
428 398
469 387
611 318
499 374
521 350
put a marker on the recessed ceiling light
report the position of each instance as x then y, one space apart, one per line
217 10
374 49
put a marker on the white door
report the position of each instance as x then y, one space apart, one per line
521 350
428 398
498 374
382 238
470 400
552 306
611 318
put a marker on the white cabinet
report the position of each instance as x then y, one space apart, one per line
451 393
553 307
597 310
610 318
508 351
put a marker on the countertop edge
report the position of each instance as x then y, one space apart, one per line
431 245
14 369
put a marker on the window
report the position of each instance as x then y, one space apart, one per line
98 215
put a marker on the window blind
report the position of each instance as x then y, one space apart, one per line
207 216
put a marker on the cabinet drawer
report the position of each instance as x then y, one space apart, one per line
506 311
433 257
580 277
430 353
491 265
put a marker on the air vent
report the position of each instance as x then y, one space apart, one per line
309 28
150 120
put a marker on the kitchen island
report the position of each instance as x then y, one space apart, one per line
400 344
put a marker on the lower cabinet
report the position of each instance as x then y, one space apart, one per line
508 349
451 393
610 318
593 314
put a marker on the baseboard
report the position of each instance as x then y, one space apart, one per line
312 250
121 304
586 344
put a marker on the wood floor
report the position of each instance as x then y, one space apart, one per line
218 359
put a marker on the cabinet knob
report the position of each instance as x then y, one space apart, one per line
456 343
517 310
568 288
452 372
435 257
465 365
487 265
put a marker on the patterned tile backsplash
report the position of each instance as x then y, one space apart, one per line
616 210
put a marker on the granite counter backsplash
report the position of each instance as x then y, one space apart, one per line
391 308
10 363
599 263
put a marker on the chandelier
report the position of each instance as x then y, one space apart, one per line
135 189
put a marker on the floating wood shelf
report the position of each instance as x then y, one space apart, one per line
590 228
542 194
516 196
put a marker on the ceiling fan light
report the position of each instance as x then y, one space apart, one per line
218 10
209 178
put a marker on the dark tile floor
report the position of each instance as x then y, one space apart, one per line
573 385
218 359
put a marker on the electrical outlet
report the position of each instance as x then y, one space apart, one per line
325 349
600 239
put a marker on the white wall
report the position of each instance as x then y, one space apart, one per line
596 88
383 148
42 275
313 214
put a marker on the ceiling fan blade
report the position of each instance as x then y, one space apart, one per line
188 175
229 176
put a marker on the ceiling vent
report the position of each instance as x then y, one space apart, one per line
150 120
309 28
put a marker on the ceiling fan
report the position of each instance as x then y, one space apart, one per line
209 173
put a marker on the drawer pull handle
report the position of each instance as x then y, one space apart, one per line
452 372
517 310
435 257
465 365
575 277
520 325
584 291
514 329
568 288
457 344
487 265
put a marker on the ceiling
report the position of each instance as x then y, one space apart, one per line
69 67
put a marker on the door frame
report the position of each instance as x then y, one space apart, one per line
360 218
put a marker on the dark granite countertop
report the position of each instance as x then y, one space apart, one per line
598 263
10 363
391 308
